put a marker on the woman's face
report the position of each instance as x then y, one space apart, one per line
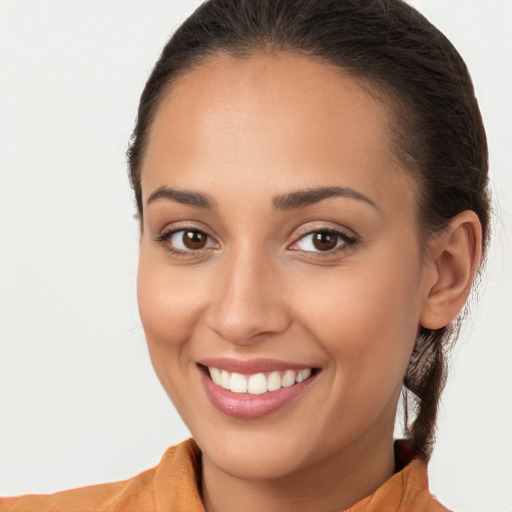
279 238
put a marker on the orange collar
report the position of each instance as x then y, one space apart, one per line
407 490
174 485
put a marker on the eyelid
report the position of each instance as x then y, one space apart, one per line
164 236
183 225
311 227
348 240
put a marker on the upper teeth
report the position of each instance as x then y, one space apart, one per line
257 383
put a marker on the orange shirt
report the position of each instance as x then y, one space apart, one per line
172 486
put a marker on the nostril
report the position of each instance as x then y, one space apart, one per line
248 326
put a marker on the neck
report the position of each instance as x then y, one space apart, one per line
331 485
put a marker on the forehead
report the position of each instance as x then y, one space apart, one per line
285 117
284 92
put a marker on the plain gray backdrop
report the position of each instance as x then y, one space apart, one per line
79 403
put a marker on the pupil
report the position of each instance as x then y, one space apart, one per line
194 239
324 241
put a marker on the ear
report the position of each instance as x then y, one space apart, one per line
454 259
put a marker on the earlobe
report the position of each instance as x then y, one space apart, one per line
455 257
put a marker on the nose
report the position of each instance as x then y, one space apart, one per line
248 300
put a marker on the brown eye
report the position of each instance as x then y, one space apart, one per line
325 241
194 240
185 240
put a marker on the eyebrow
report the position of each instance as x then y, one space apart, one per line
285 202
303 198
196 199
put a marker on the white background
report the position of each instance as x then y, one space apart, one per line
79 403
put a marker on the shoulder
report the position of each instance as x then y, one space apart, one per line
83 499
406 490
172 483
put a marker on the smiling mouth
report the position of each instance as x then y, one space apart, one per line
257 383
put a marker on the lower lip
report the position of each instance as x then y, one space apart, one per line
244 405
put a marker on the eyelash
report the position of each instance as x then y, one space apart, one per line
164 237
347 241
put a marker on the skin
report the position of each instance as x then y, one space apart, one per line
244 132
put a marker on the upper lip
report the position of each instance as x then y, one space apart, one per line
251 366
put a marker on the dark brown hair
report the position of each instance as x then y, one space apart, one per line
437 129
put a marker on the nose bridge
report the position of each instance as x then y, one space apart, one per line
248 299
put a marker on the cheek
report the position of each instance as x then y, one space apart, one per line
169 298
168 307
366 321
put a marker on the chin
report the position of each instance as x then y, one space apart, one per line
259 454
255 464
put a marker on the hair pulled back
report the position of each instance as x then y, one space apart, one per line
437 129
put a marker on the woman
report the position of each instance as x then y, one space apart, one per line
311 179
